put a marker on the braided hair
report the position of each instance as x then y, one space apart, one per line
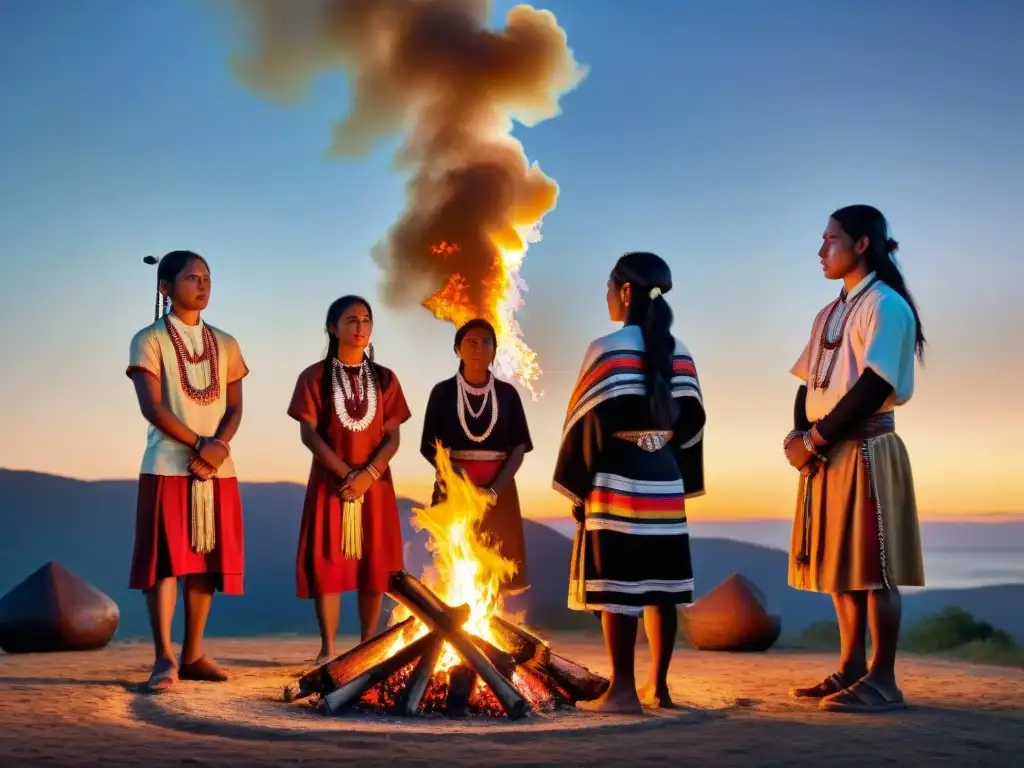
167 270
648 274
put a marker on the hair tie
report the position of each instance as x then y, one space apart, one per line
655 293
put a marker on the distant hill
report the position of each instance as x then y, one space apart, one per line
88 527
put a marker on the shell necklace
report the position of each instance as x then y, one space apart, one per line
364 392
465 389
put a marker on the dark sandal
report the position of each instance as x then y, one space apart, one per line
830 685
202 670
863 696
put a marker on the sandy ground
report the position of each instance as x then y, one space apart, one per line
80 709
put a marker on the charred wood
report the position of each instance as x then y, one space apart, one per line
461 682
520 644
349 665
412 695
350 692
424 604
579 682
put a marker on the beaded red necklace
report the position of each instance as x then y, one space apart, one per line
210 355
825 344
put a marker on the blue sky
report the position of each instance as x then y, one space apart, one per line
720 135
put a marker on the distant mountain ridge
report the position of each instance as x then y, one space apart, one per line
88 526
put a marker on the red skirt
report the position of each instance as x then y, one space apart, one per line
320 567
163 547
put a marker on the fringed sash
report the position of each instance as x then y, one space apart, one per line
352 529
203 519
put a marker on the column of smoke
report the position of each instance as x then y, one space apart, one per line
431 71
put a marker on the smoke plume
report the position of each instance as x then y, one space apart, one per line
432 72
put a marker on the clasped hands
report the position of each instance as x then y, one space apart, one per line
355 485
209 457
799 449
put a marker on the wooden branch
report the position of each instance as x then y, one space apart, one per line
424 604
349 665
412 695
461 682
502 661
521 644
432 610
511 700
350 692
536 677
578 681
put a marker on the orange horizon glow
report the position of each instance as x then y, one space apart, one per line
540 504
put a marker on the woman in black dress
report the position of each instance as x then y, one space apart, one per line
480 420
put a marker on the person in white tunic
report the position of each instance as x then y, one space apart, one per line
856 533
188 381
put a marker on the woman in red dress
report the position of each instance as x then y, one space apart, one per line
188 380
349 411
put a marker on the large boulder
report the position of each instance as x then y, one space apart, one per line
56 610
731 617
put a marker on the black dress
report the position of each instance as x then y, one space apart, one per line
482 460
628 480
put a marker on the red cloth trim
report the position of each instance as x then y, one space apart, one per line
162 534
133 368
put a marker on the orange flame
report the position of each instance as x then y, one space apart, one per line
467 568
502 292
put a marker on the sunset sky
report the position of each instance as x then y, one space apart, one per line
719 135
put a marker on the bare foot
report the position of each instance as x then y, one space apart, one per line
323 657
618 702
653 697
163 678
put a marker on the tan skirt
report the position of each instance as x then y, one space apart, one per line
856 525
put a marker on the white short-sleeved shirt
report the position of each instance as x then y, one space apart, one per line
153 352
880 334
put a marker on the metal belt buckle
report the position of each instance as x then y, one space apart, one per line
651 442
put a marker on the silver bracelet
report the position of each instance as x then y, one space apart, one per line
372 470
809 445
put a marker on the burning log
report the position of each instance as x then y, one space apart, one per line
511 700
536 679
416 686
461 682
431 610
520 643
425 605
410 680
349 665
337 699
579 682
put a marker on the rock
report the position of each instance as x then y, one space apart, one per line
731 617
56 610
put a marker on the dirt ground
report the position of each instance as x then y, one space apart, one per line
82 709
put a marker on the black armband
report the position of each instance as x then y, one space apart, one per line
856 406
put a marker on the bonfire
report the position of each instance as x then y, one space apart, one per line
449 648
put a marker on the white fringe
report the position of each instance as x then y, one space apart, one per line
352 529
204 527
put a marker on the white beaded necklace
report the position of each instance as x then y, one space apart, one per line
343 394
465 389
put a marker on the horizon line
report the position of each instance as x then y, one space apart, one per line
984 518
